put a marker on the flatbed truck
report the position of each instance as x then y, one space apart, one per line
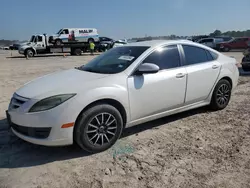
39 44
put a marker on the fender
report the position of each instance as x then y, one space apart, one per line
223 73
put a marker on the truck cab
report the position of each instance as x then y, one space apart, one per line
36 44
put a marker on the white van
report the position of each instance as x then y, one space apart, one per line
69 35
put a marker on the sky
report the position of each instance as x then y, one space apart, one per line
122 18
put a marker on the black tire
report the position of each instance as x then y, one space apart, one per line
226 49
92 139
58 42
221 95
78 52
29 53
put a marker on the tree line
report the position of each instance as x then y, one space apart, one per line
245 33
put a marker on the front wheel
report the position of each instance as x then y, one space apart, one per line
221 95
29 53
98 128
226 49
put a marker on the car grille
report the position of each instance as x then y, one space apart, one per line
17 101
40 132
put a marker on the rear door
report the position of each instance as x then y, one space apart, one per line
203 70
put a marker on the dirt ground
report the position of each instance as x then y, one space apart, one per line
197 149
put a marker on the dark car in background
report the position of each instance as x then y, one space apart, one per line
197 38
236 43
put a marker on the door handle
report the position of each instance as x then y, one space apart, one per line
180 75
215 66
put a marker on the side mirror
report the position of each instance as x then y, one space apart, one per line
147 68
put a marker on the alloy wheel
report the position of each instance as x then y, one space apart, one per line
101 129
223 94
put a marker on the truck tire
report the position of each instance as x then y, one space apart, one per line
77 52
58 42
29 53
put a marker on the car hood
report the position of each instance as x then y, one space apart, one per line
62 82
26 45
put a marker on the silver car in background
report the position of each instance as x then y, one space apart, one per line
210 42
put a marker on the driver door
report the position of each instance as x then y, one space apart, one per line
151 94
64 35
40 43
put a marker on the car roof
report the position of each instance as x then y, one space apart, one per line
154 43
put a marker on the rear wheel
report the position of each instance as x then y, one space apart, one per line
98 128
221 95
78 52
58 42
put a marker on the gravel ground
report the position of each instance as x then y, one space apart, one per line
198 148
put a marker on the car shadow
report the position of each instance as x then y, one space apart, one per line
16 153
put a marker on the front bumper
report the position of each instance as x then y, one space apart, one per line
43 128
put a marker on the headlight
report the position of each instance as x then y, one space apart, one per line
50 102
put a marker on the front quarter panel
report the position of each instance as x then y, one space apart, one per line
116 92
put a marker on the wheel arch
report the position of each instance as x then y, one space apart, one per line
228 79
109 101
30 48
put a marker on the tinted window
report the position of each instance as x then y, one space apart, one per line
40 38
115 60
207 40
194 55
166 58
65 31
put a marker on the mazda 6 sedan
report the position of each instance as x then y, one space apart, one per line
92 104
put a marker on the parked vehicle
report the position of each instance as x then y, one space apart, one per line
14 47
225 38
210 42
237 43
196 38
74 35
246 59
105 43
5 48
125 86
39 44
118 43
106 40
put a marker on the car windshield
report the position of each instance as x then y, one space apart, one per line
59 31
115 60
32 38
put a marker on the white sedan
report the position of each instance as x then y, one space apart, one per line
124 86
